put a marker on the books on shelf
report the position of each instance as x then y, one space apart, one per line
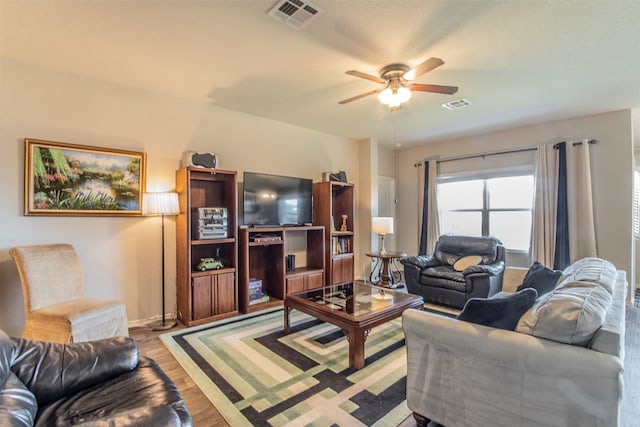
341 245
263 298
255 283
256 294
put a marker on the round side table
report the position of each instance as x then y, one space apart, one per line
383 263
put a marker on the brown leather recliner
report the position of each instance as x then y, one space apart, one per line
80 384
434 277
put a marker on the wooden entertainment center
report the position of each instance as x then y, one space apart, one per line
254 273
262 253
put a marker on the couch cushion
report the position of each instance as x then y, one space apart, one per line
144 396
541 278
591 269
502 311
570 315
450 248
443 277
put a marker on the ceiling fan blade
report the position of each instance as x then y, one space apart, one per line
448 90
355 98
365 76
426 66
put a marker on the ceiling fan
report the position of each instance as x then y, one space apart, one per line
397 83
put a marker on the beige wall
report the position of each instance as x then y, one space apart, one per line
612 171
121 256
386 161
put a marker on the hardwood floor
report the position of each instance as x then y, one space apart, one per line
203 412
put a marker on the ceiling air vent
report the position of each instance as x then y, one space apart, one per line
295 13
457 104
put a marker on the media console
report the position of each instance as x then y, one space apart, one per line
262 259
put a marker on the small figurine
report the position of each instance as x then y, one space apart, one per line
343 227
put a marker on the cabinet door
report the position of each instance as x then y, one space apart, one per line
342 270
202 297
295 284
225 295
315 280
347 269
336 271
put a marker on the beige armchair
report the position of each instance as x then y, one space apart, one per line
55 306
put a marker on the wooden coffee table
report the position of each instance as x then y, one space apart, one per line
355 308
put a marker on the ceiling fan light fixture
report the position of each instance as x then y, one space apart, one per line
386 95
396 79
403 94
394 97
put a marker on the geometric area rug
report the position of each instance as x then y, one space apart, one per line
255 375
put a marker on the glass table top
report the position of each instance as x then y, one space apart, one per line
354 298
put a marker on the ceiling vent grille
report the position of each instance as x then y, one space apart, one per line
457 104
295 13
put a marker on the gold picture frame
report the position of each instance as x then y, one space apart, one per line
77 180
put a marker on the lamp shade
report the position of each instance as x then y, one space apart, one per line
382 225
160 204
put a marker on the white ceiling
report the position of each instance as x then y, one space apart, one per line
518 62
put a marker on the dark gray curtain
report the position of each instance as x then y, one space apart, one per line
561 259
425 212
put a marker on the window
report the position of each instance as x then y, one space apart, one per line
500 206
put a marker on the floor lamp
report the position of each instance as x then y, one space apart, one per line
161 204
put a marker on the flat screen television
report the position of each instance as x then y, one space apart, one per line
274 200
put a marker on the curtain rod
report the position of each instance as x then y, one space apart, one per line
473 156
453 159
575 143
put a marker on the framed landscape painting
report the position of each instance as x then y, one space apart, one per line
70 179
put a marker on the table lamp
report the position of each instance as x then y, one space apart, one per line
161 204
382 225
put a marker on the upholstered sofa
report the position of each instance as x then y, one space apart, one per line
98 383
561 366
460 268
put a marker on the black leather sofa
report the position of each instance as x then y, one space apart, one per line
434 277
99 383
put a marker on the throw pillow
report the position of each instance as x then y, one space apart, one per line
467 261
540 278
502 311
571 314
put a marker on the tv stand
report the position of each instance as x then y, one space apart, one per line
262 253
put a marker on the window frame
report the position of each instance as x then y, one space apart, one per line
485 210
